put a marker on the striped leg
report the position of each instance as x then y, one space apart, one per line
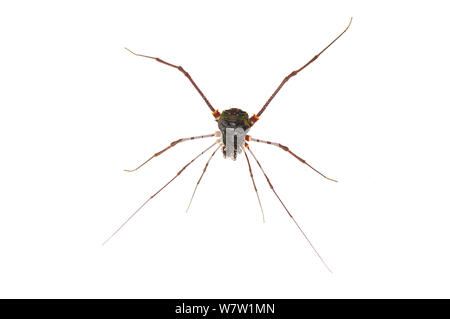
255 117
290 215
254 185
285 148
172 145
215 113
203 173
178 174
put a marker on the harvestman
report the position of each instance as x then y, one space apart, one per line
234 125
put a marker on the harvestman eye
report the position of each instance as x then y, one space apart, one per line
234 125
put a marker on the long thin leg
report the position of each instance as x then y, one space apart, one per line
254 185
179 172
285 148
203 173
170 146
215 112
256 117
298 226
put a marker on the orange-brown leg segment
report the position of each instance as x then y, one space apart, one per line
178 174
215 112
170 146
290 215
203 173
256 117
285 148
254 185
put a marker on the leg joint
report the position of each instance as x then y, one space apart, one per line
285 148
176 142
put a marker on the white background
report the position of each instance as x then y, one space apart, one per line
372 112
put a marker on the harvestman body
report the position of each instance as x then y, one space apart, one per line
234 124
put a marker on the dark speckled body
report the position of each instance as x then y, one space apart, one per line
234 125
